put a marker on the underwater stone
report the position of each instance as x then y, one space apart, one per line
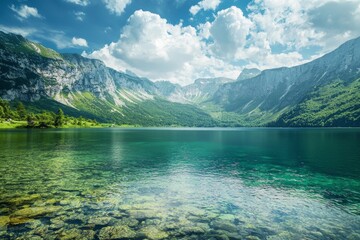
219 237
144 214
26 198
192 230
131 222
153 233
71 234
18 220
227 217
29 237
56 224
33 224
224 225
116 232
101 221
77 234
252 238
4 220
35 211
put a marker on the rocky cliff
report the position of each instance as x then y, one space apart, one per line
278 90
30 72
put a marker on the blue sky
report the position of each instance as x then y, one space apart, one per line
181 40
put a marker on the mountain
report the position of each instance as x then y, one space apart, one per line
323 92
248 73
198 92
43 78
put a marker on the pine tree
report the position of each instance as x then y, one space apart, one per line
59 119
20 108
30 120
2 113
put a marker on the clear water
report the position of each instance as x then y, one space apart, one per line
180 184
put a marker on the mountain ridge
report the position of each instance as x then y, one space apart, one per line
31 72
88 86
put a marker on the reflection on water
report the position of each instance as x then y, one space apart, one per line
180 184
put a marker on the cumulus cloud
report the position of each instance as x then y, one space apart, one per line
116 6
151 47
272 34
79 42
24 12
229 32
79 2
302 23
204 5
337 21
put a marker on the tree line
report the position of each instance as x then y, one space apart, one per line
45 119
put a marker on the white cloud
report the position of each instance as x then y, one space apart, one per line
151 47
79 42
79 2
24 12
272 34
299 24
204 5
25 32
80 16
59 38
116 6
229 32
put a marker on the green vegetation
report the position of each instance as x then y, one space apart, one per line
18 44
59 118
20 117
334 105
155 112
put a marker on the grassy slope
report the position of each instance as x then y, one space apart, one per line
53 106
155 112
334 105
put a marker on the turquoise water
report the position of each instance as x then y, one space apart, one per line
180 184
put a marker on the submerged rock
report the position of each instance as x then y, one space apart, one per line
4 221
101 221
56 223
26 198
33 224
76 234
131 222
35 211
19 220
116 232
29 237
192 230
224 225
153 233
144 214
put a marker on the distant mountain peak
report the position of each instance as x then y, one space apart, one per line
248 73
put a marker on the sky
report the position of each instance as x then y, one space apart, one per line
182 40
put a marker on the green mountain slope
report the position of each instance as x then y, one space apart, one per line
334 105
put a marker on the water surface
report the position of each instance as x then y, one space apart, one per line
246 183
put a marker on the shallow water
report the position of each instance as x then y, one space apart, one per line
180 184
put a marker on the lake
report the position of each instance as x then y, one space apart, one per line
243 183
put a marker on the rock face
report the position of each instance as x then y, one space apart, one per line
27 75
30 72
199 91
276 89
